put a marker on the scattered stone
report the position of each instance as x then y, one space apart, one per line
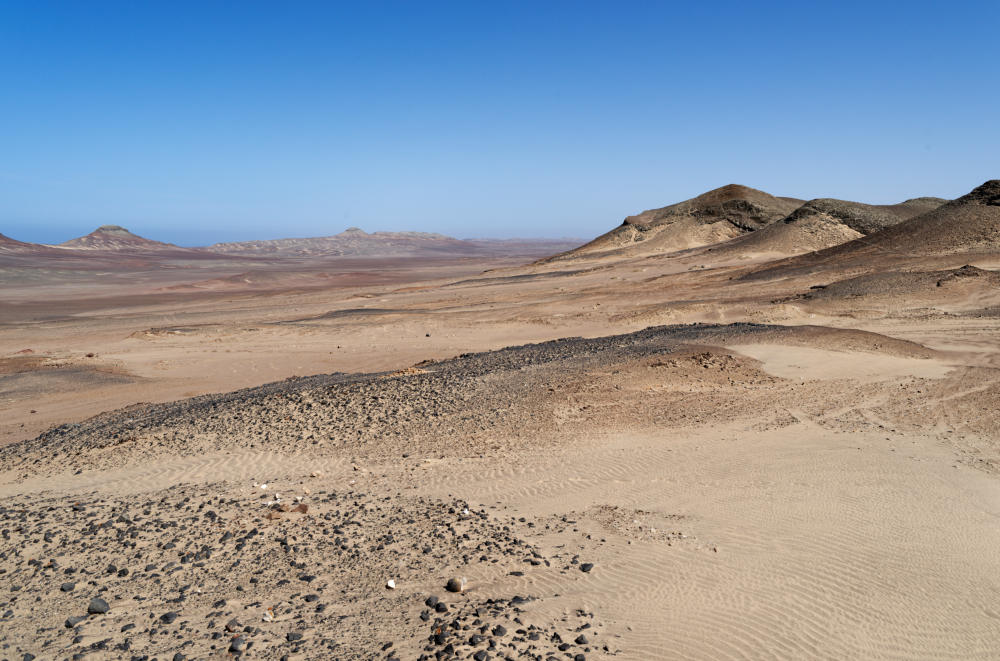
98 606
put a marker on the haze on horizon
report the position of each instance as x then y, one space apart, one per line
201 122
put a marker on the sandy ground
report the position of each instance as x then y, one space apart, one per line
824 487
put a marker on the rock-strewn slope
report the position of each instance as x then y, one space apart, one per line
967 225
215 572
822 223
476 401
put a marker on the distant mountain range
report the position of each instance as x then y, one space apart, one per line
353 242
732 220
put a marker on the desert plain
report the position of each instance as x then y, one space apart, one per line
738 427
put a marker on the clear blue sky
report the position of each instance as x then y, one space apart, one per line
196 122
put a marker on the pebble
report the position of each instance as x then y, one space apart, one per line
98 606
587 566
67 587
74 620
455 585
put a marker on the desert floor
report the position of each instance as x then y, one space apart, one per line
716 467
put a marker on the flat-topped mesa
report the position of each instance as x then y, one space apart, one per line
114 229
353 242
712 217
117 238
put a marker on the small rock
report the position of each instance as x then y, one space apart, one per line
391 584
98 606
587 566
455 585
67 587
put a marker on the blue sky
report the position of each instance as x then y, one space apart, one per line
196 122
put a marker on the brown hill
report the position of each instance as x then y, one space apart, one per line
9 245
715 216
915 206
119 239
969 224
822 223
